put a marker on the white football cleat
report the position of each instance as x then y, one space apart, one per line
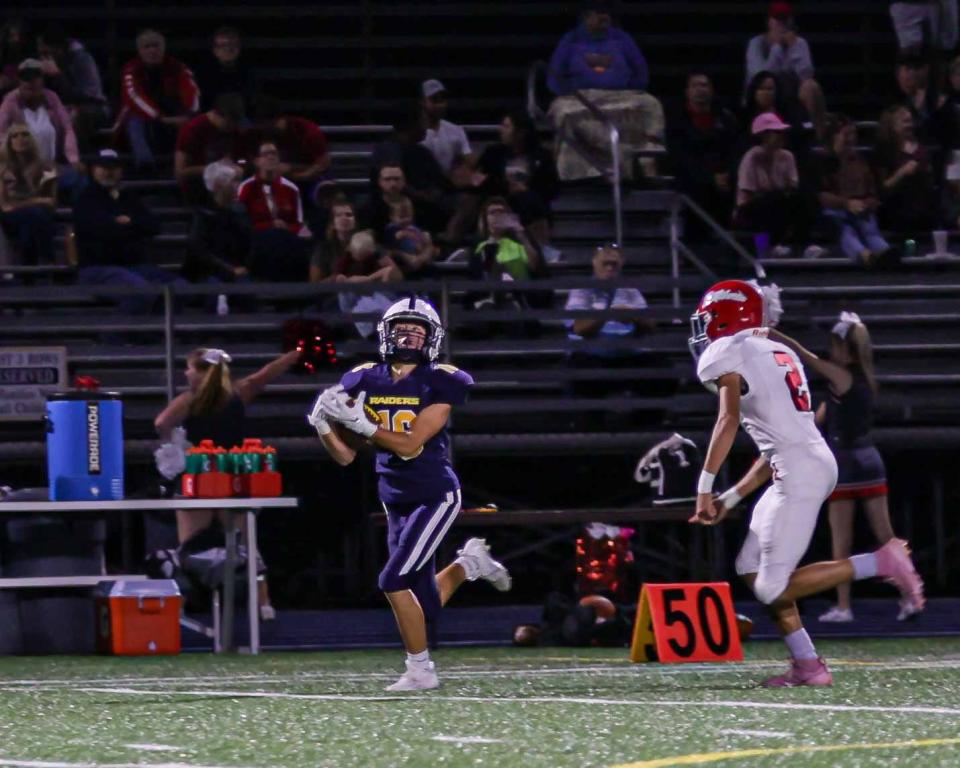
837 615
417 678
475 558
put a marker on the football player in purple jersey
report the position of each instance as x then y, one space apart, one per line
402 406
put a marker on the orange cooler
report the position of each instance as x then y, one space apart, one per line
138 618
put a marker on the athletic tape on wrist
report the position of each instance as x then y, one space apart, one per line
705 483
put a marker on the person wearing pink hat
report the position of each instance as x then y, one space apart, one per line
767 185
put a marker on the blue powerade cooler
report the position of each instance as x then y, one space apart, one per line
85 446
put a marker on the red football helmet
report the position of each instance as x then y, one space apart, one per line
726 308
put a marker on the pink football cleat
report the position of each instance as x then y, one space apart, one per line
812 672
894 565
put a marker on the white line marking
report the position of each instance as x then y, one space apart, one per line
534 700
152 747
467 739
468 672
760 734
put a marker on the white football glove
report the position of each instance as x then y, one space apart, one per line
351 416
316 418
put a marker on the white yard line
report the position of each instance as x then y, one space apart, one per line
152 747
759 734
590 701
467 739
467 672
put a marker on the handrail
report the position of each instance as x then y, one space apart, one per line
742 252
539 117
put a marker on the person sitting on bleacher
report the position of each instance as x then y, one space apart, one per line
72 73
158 96
604 63
225 71
520 169
916 91
389 185
363 263
702 138
220 246
409 246
205 139
505 250
767 186
783 52
907 192
113 228
281 241
341 226
304 155
847 192
28 191
48 121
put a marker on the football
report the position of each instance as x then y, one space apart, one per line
351 438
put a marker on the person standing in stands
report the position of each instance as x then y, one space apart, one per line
847 416
214 408
159 95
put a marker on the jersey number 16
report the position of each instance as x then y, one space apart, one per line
795 383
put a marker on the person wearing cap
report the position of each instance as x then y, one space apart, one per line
219 247
604 63
158 94
847 192
205 139
44 114
767 183
447 141
113 228
28 191
783 52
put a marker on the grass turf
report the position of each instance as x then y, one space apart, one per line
496 707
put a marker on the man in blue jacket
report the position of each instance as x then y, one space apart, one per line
604 63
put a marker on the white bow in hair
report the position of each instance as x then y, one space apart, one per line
772 304
846 322
216 356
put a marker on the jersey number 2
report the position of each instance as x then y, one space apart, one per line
795 383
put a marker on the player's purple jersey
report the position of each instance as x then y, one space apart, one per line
429 474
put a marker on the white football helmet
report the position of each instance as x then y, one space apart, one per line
410 310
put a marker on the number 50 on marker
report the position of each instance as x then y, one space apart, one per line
685 622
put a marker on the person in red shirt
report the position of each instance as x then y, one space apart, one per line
281 242
158 94
304 157
205 139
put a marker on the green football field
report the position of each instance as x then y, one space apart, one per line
894 701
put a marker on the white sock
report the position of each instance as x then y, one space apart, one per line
800 645
470 566
419 660
864 566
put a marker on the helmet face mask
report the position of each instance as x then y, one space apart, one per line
404 344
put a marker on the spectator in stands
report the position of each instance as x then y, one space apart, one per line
521 170
605 64
847 192
391 186
765 95
13 50
921 24
908 195
365 263
113 228
767 186
607 265
225 71
281 242
438 208
214 408
950 111
205 139
409 246
304 158
220 248
447 141
785 54
505 250
71 72
159 95
28 191
920 96
702 138
48 121
341 226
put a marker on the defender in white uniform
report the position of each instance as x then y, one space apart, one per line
761 384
